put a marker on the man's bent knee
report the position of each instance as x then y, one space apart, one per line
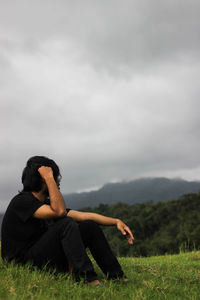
90 224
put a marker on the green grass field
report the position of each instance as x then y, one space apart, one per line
162 277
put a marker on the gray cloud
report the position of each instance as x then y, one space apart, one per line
110 91
112 35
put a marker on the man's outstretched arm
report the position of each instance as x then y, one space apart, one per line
102 220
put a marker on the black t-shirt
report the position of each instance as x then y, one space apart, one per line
20 230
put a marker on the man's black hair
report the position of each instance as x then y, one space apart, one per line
31 178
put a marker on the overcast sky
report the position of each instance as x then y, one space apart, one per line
108 89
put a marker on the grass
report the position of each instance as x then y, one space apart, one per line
160 277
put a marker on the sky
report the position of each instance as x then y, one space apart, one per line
108 89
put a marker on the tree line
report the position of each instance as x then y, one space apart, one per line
159 228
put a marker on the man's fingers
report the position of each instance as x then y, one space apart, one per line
130 241
130 238
123 231
127 232
45 172
130 233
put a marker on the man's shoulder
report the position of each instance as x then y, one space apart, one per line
21 197
15 204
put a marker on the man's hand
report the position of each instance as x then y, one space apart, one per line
45 172
125 230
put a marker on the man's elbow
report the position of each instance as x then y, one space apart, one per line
61 213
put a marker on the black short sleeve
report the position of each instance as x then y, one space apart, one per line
26 205
19 228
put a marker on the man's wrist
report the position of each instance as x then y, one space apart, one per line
116 221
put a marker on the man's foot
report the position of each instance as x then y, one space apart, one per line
121 279
94 283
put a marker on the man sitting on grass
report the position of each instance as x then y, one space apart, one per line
38 228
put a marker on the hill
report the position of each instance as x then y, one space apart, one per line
162 277
136 191
158 228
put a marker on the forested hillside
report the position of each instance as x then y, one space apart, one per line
158 228
136 191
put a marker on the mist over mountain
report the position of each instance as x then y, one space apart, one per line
136 191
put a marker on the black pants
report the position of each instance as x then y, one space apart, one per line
64 244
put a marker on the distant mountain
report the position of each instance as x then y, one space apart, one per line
136 191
